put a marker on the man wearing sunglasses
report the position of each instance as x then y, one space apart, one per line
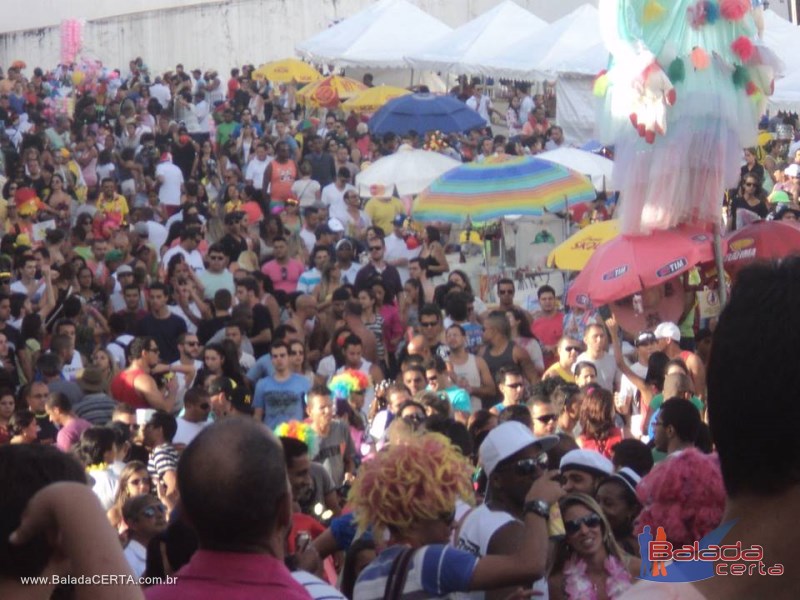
145 517
568 350
514 461
197 406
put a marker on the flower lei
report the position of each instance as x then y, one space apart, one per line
578 585
99 467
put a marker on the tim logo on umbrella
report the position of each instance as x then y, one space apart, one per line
616 272
672 268
661 561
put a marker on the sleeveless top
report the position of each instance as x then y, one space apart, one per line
283 176
428 262
123 390
469 371
506 359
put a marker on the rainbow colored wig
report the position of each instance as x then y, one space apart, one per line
300 431
347 382
683 494
415 480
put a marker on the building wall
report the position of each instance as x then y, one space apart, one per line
205 33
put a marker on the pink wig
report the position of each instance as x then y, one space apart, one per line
684 495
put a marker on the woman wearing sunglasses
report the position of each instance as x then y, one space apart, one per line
589 563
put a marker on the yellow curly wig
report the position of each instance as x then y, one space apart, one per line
417 479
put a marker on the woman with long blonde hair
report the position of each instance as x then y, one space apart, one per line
133 481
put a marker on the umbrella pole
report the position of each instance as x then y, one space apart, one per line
723 291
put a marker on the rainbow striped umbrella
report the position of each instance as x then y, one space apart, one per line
502 187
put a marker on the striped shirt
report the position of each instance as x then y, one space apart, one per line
435 571
316 588
163 458
95 408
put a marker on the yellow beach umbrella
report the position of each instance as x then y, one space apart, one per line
330 91
373 98
574 252
288 70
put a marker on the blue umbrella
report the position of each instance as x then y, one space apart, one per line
424 112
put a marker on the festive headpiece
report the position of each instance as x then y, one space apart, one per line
347 382
27 202
300 431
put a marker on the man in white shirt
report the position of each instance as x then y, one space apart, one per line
197 406
597 353
254 173
161 92
310 223
482 104
333 194
526 104
397 253
191 236
170 179
556 141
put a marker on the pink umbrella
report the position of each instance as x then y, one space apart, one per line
627 265
762 240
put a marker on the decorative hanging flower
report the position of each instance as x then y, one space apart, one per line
734 10
743 48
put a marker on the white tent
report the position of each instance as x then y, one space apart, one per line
377 37
539 55
462 50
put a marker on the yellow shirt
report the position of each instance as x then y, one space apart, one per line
556 370
118 205
383 213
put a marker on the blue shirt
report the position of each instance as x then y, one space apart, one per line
281 401
436 570
261 369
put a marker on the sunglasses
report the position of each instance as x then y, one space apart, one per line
528 466
573 526
573 349
545 419
150 511
415 418
429 323
749 185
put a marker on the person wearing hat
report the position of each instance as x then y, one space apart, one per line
669 336
96 406
645 343
616 495
228 399
583 470
514 460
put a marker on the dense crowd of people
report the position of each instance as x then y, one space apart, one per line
274 390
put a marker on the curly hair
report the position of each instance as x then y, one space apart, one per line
418 479
684 495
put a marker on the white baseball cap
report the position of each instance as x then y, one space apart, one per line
586 460
628 477
506 440
668 330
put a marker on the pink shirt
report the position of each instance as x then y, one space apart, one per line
71 433
231 576
284 277
548 330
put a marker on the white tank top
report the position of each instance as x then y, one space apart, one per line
476 532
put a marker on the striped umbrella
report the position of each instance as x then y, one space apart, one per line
501 187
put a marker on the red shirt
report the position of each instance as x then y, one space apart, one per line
123 390
548 330
231 576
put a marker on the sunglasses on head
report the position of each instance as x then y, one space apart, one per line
573 526
528 466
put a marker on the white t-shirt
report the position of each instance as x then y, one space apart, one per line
194 259
606 369
255 171
170 191
481 106
395 249
309 238
178 311
136 555
305 190
333 197
117 348
187 431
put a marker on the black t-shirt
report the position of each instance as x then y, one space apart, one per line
47 431
232 246
165 332
208 327
261 320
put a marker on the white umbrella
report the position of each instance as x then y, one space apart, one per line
598 168
410 171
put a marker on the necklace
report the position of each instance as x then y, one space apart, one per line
579 586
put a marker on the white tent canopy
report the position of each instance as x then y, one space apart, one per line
377 37
539 55
462 50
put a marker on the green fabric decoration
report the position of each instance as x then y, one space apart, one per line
676 71
740 76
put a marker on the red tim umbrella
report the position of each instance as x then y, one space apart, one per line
762 240
627 265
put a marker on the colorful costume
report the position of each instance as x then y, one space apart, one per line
681 99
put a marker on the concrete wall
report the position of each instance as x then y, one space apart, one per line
205 33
